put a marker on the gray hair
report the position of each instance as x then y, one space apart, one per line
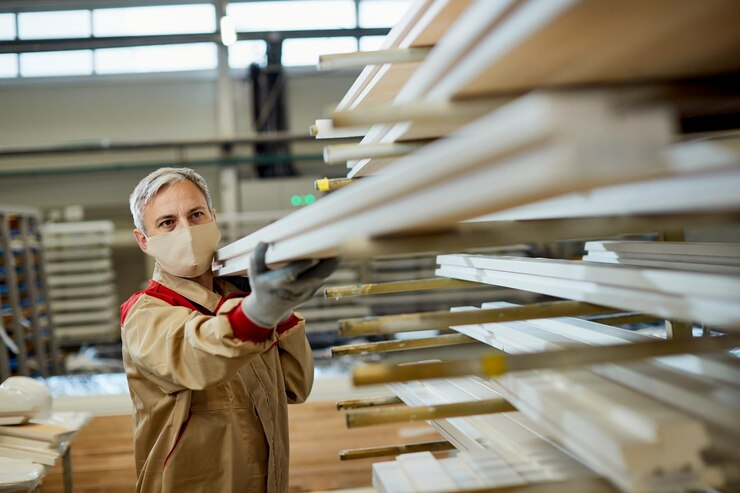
153 183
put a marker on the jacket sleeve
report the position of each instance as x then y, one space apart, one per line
178 348
296 358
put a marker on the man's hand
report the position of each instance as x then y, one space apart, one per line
275 293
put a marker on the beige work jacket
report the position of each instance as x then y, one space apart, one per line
210 389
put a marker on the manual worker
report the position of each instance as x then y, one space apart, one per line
211 364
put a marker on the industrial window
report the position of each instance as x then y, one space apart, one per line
7 26
8 65
306 51
297 14
52 25
244 53
168 58
142 21
53 63
371 43
382 13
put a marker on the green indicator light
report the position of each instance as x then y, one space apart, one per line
296 200
309 199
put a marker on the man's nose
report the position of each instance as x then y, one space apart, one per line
183 222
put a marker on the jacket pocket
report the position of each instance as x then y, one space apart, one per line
177 440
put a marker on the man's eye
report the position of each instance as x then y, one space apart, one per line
198 214
166 223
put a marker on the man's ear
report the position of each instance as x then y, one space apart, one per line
140 239
213 214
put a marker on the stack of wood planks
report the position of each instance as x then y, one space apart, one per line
512 127
668 293
34 442
647 426
720 258
487 124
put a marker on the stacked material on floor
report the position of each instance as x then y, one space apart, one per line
720 258
712 299
82 281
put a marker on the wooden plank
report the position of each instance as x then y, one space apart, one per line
338 292
498 364
662 264
360 59
428 114
368 402
329 184
713 311
392 40
399 414
402 344
666 248
472 24
673 194
340 154
552 43
393 450
324 129
659 280
699 259
443 319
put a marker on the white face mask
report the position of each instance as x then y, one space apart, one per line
185 252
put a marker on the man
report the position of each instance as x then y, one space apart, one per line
210 367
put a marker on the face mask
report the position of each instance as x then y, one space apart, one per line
185 252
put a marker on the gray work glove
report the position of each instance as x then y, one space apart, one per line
275 293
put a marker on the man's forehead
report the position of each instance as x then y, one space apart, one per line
179 195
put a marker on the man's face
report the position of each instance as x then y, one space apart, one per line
179 205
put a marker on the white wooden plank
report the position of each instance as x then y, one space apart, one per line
666 248
697 259
663 281
472 24
664 195
388 477
707 310
424 473
392 40
660 264
324 129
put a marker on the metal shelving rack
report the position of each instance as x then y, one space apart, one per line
30 347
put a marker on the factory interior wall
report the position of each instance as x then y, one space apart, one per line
135 108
